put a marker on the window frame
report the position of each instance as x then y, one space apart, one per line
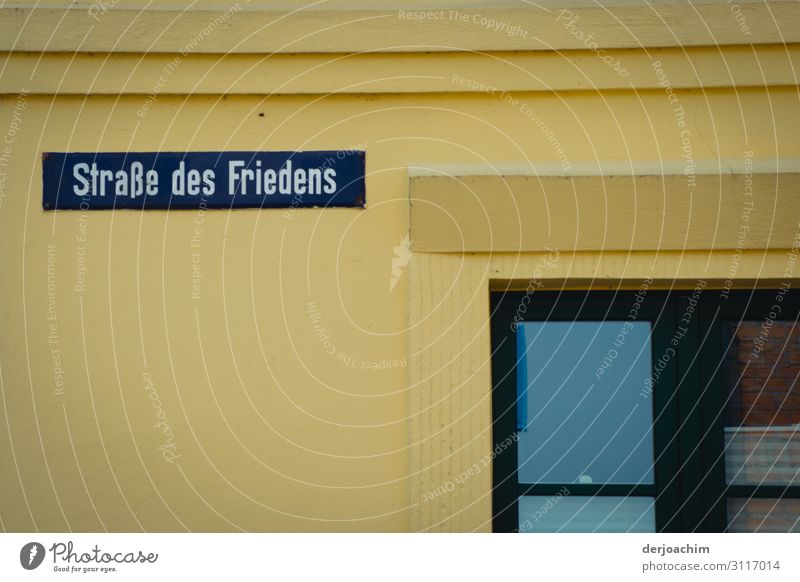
688 433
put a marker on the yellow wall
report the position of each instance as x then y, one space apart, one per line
274 429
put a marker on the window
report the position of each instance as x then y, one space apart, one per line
646 410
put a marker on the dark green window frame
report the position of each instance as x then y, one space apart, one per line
688 401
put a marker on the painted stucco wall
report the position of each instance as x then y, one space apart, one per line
303 370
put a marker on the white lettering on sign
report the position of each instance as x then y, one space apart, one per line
242 180
301 181
184 182
91 181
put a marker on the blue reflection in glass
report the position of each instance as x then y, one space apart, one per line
587 415
576 514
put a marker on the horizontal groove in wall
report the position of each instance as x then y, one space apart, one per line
485 73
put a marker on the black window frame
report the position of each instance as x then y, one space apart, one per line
688 401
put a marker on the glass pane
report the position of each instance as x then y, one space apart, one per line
763 515
586 416
586 514
762 432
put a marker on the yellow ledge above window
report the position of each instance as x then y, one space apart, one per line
610 211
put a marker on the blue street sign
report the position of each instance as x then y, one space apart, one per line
165 180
